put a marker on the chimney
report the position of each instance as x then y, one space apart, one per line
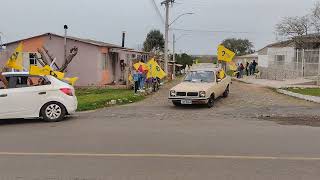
123 38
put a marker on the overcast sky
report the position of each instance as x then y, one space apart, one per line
104 20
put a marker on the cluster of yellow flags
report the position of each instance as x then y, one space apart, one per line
153 68
16 62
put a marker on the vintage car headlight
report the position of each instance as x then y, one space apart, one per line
202 94
173 93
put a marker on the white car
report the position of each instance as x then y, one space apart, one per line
29 96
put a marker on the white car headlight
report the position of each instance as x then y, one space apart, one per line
173 93
202 94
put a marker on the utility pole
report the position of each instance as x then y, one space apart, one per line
167 4
174 55
65 43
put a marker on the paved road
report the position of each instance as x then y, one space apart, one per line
253 134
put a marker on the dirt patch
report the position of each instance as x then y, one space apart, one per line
313 121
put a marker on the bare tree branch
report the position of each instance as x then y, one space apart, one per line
73 53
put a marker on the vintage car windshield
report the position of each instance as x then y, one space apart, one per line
199 76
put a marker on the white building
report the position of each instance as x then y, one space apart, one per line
290 59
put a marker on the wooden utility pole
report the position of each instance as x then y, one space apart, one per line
167 4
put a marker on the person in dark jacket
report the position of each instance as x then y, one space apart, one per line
254 66
247 68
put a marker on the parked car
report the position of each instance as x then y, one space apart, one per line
201 86
29 96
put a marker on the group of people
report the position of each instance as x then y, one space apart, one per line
140 81
249 68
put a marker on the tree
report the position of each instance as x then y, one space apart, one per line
239 46
184 59
294 26
154 41
315 17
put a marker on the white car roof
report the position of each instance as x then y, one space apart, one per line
15 73
205 67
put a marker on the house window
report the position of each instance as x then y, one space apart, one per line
32 59
280 59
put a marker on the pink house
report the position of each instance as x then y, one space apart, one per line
96 64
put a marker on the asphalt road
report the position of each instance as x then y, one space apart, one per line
255 133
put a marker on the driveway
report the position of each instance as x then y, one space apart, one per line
255 133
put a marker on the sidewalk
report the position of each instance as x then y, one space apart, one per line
276 84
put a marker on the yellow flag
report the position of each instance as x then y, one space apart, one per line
16 59
225 54
72 81
46 70
155 70
232 66
130 78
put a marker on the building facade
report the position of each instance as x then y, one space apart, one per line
295 58
96 64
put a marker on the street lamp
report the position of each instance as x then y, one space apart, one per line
174 41
180 17
167 26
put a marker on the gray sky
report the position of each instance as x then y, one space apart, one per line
105 20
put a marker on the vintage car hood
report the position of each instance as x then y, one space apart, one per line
192 87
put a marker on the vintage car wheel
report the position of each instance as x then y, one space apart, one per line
226 92
210 103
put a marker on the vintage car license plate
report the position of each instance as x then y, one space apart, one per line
186 101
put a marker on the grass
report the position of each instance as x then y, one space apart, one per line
306 91
94 98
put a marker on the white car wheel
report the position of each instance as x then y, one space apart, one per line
53 112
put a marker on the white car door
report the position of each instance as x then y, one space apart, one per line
22 100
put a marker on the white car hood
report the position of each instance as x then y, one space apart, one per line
192 87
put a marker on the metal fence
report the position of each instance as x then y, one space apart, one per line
290 64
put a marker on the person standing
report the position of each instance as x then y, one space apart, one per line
241 70
247 68
254 66
136 81
250 68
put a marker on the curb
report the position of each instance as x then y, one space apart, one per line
300 96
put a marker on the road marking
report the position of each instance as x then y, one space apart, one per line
163 156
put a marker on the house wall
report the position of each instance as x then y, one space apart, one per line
271 68
85 65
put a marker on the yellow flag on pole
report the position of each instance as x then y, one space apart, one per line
225 54
15 61
155 70
71 81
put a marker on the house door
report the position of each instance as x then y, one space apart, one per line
114 61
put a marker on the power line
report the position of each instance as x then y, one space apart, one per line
212 31
157 10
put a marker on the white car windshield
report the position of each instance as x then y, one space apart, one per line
200 76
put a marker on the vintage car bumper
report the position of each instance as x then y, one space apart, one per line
194 100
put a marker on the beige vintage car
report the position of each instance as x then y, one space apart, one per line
201 85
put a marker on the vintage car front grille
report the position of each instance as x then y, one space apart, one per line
181 93
193 94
